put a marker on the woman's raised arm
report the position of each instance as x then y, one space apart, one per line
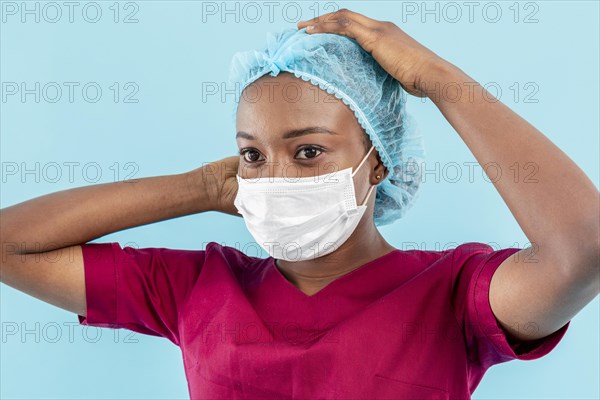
41 237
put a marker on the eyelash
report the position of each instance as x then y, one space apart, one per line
242 152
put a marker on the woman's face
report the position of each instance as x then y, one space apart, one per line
287 127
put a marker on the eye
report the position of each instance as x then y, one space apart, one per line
253 155
309 152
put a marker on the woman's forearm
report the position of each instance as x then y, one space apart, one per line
83 214
552 199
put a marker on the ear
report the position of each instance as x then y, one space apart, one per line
380 170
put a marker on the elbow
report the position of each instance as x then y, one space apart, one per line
584 266
8 242
578 255
593 255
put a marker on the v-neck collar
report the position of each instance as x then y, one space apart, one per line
291 288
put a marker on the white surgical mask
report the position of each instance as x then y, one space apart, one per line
296 219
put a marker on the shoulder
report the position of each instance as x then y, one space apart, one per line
473 259
467 261
211 253
232 253
460 265
457 257
239 260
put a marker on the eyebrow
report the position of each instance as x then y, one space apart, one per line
294 133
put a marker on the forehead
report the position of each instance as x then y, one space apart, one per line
286 99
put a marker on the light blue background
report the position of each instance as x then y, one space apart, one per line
169 53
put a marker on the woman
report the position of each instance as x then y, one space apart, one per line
335 311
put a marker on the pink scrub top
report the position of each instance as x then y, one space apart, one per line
414 324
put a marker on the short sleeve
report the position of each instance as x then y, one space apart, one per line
141 290
487 343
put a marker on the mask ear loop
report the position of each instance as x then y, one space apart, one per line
357 168
363 161
368 194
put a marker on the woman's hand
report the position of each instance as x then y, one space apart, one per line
218 179
399 54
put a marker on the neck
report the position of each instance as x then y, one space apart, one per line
364 245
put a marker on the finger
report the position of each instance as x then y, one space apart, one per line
345 27
341 13
331 16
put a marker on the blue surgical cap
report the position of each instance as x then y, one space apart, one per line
340 66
